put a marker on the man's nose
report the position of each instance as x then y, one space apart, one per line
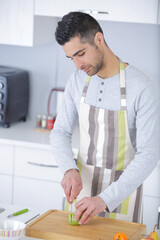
78 63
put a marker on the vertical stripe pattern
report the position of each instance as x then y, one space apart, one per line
110 146
105 151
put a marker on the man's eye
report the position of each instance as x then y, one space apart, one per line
81 54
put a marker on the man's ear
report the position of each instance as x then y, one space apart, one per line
99 39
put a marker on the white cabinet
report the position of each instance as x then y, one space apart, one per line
37 179
36 163
29 176
6 172
22 22
19 26
37 194
6 159
152 184
142 11
6 189
151 200
150 213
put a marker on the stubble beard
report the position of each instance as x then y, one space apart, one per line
99 64
96 69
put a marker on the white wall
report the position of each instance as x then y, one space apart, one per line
40 61
137 44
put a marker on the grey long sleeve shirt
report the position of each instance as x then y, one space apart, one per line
143 112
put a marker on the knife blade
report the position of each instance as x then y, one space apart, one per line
18 213
71 208
71 212
32 218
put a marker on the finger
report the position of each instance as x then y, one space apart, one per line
80 211
74 193
83 213
67 192
85 216
90 217
80 202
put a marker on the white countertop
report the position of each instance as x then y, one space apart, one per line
25 133
9 209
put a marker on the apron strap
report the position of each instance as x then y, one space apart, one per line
85 89
122 87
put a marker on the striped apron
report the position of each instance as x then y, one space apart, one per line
105 151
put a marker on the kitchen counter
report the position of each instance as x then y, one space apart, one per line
25 133
9 209
130 228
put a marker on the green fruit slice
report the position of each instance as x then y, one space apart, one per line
71 219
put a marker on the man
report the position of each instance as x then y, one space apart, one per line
118 111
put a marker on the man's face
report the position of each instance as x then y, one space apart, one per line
85 56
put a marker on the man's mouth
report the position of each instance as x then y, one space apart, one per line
86 69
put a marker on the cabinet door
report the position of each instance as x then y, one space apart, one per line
37 194
16 22
151 185
143 11
6 189
6 159
150 212
36 163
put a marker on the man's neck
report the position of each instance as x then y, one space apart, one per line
110 66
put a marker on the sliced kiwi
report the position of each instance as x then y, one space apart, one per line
71 219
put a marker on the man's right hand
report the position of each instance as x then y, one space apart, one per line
72 184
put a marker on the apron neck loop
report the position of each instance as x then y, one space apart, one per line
122 86
85 89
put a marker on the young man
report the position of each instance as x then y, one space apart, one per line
118 110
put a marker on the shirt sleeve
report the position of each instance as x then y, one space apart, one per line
61 135
147 107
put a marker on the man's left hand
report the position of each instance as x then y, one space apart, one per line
88 207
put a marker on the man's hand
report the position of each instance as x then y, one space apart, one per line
88 207
72 184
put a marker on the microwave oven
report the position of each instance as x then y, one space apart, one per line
14 95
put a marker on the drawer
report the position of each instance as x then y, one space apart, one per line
6 159
37 194
151 185
36 163
6 189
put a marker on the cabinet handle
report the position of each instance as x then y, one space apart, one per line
158 221
94 12
42 165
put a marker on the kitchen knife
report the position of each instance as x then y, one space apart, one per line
18 213
32 218
71 208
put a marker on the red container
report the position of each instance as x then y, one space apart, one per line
50 122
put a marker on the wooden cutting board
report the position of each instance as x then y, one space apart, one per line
54 225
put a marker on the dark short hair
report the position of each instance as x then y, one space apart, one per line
77 24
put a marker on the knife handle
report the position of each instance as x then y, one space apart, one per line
20 212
